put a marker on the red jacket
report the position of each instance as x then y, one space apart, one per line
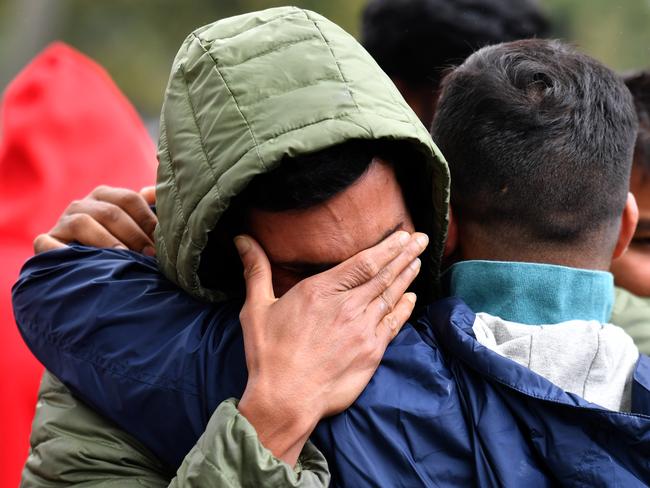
65 128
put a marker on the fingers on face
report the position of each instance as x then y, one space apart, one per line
257 269
367 264
395 275
388 299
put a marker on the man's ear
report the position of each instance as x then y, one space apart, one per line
451 244
628 226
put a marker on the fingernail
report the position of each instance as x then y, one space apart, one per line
242 244
149 251
415 264
411 297
120 246
422 240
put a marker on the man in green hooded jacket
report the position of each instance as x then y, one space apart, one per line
239 103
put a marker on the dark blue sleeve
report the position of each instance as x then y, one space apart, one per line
130 343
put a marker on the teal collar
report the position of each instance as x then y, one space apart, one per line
531 293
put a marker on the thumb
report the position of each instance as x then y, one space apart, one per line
257 270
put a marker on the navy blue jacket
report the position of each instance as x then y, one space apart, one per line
441 410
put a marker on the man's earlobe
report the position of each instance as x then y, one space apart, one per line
451 244
629 221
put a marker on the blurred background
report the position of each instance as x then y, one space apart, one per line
137 40
64 128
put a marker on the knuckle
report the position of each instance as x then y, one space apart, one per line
359 341
348 311
40 241
99 190
388 300
391 322
384 277
108 213
77 222
244 314
312 293
74 207
127 198
367 266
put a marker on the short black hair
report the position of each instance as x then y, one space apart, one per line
416 40
639 85
311 179
308 180
539 140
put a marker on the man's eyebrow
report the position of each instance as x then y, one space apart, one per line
318 267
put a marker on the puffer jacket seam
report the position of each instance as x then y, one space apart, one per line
276 48
336 60
196 33
172 179
198 130
234 99
297 87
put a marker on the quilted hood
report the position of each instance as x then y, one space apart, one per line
246 91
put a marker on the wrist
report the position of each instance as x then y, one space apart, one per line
283 425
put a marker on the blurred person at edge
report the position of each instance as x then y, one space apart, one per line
417 41
632 270
54 118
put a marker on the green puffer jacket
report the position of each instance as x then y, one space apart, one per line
244 92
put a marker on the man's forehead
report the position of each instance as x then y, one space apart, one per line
355 219
301 263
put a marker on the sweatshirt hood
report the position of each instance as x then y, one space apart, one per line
245 92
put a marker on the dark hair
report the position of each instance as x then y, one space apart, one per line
308 180
639 85
539 140
416 40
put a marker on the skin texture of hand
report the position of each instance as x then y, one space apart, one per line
108 217
311 352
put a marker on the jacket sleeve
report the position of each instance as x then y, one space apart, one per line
71 445
131 344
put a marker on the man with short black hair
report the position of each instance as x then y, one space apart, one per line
243 102
417 41
530 122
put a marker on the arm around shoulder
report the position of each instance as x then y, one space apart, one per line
71 445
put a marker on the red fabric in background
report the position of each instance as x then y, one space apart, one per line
65 128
